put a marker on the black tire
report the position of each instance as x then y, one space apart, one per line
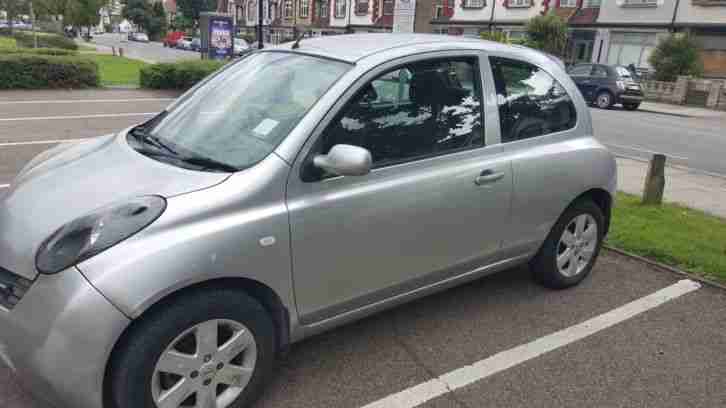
604 100
631 106
134 360
544 265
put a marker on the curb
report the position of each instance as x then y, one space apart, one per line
680 115
675 166
666 268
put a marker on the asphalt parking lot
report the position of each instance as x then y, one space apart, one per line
511 342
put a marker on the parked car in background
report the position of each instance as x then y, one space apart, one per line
172 38
241 47
607 85
181 288
196 44
138 37
184 43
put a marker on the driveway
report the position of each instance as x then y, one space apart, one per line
628 336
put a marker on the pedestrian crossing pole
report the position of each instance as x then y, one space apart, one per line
260 5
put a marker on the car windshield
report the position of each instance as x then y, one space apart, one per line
241 114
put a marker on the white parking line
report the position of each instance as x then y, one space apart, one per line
419 394
640 149
84 101
38 142
104 115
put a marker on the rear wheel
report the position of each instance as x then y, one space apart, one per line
207 349
604 100
571 248
631 106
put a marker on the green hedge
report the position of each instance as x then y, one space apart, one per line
180 75
25 71
40 51
45 40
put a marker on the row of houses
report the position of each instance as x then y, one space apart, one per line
606 31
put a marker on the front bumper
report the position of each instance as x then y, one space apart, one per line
58 338
631 96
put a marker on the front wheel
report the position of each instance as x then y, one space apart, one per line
604 100
631 106
206 349
571 248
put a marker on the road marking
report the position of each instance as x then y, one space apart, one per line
39 142
446 383
104 115
85 101
640 149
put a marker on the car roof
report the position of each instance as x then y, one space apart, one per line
355 47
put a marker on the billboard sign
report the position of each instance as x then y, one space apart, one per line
221 37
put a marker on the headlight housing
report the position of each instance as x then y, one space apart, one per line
620 84
93 233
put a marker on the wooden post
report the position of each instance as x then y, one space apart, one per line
655 181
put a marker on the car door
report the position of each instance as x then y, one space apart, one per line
581 75
433 207
601 79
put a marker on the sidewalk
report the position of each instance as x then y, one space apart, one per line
681 110
690 188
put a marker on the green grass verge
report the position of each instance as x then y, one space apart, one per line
7 42
671 234
86 47
117 70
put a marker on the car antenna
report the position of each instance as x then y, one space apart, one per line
297 41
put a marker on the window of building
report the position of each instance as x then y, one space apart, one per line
361 6
388 6
593 3
438 9
473 3
421 110
631 48
531 102
252 10
304 11
324 8
340 8
288 11
520 3
568 3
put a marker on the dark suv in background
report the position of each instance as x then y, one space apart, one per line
605 85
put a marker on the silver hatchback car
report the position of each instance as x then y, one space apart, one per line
297 189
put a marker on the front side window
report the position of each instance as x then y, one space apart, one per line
531 102
240 115
419 110
581 70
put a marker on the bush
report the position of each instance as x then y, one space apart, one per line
676 55
45 41
547 33
497 36
180 75
41 51
26 71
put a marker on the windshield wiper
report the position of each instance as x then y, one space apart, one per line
202 163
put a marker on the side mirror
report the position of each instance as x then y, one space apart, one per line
345 160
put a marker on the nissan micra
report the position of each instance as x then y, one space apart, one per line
298 188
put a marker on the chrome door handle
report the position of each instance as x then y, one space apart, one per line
488 176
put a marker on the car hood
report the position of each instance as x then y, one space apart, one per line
70 181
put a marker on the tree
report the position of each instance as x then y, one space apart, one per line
547 33
83 13
496 36
192 8
156 24
137 11
676 55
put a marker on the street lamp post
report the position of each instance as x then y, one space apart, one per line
259 23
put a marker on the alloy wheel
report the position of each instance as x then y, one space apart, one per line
603 100
577 245
207 366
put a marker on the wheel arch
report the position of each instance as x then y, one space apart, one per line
255 289
603 199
